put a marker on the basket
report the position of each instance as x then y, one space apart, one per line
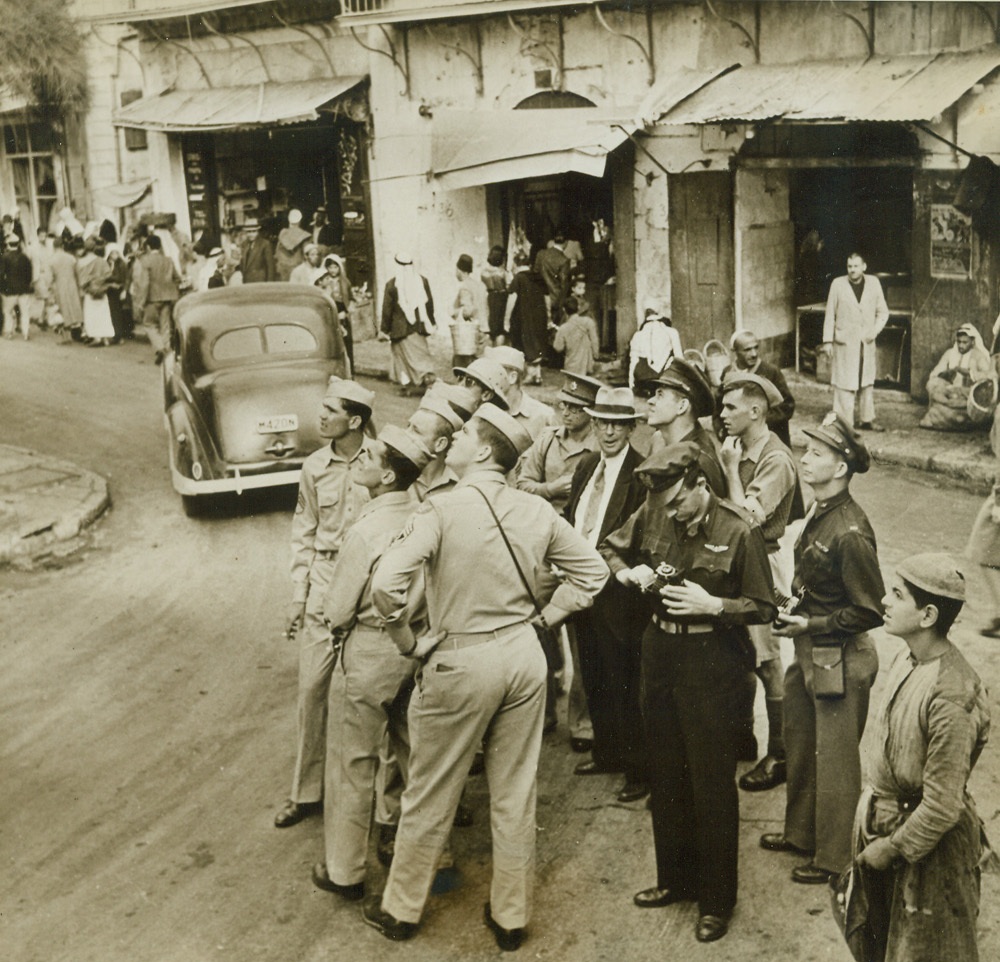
982 400
465 335
694 357
716 361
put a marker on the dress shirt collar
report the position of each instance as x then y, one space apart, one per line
615 463
331 454
753 452
704 522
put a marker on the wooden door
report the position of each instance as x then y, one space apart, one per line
701 256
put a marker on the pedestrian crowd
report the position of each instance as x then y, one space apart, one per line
444 570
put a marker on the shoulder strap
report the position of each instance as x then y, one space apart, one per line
506 541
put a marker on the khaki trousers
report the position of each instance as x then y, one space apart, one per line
316 661
843 404
369 692
494 690
822 738
156 321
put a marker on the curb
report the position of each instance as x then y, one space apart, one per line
86 498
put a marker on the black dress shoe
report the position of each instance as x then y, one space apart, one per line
776 842
581 745
769 772
509 940
321 879
385 849
710 928
592 768
293 812
633 791
375 916
810 874
656 898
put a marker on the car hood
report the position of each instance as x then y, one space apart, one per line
265 412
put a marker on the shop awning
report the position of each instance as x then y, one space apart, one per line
235 108
121 195
910 87
487 147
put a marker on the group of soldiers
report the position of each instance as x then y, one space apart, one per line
429 563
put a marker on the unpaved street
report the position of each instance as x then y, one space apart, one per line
147 710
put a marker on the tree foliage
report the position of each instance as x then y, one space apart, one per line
42 56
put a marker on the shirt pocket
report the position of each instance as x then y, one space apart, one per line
714 568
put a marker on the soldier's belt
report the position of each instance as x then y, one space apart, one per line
458 639
675 628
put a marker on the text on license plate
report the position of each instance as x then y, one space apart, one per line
278 423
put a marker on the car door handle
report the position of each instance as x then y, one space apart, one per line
279 449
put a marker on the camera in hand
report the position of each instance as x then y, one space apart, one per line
786 604
663 576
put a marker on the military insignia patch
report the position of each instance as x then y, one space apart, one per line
717 548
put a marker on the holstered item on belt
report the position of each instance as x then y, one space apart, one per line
828 667
548 638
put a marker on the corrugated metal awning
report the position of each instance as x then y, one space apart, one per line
235 108
673 90
910 87
487 147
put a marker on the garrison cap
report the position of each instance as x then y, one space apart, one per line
836 433
667 466
509 357
490 374
737 379
437 403
614 404
579 390
344 390
682 376
460 399
935 572
506 424
406 445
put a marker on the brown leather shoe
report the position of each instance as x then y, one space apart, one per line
509 940
769 772
391 927
776 842
321 879
294 812
810 874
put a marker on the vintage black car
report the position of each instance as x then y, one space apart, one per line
244 384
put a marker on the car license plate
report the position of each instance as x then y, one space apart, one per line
278 423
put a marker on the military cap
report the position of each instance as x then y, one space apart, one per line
836 433
737 379
345 390
668 465
438 404
682 376
490 374
460 399
579 390
613 404
406 445
509 357
934 572
506 424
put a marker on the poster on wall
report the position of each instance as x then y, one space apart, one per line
951 242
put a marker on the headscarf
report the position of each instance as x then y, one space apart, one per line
411 292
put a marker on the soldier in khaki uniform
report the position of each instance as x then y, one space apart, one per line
371 684
486 678
329 503
434 422
535 416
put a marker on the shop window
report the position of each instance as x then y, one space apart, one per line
135 139
30 149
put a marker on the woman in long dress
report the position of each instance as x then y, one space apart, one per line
527 317
94 277
335 282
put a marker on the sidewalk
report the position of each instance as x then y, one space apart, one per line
44 501
960 457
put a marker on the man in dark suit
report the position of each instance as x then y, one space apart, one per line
604 493
257 263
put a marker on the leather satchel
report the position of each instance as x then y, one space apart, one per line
548 637
828 671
